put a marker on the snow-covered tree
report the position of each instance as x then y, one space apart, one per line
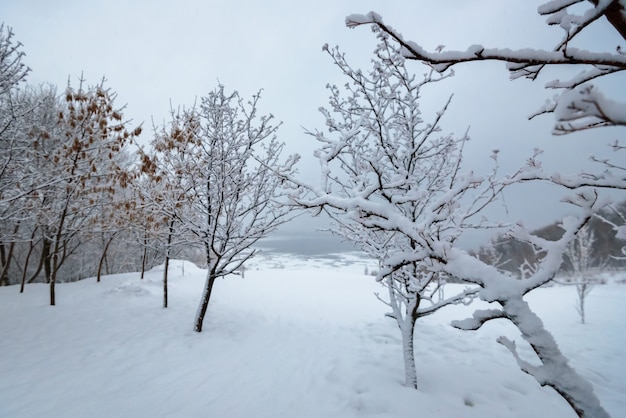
236 185
378 150
580 106
146 223
227 173
166 192
12 72
73 162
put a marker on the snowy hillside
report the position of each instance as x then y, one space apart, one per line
293 338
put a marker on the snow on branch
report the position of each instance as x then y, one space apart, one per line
586 108
465 298
555 6
479 318
573 112
525 366
443 60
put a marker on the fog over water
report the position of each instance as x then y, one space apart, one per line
307 244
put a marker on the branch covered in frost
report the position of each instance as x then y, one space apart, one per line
465 298
478 319
443 60
573 113
612 174
525 366
12 69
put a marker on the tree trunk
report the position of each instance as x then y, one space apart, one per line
143 258
406 323
31 247
55 258
408 353
167 261
53 279
40 266
55 265
103 257
6 261
46 256
167 266
555 370
3 261
204 303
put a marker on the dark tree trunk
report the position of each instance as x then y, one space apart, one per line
167 266
46 257
204 303
145 255
53 277
167 261
31 247
103 257
3 260
6 259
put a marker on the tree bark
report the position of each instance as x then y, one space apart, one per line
165 269
3 259
204 303
167 260
55 255
53 275
103 257
46 256
145 255
6 260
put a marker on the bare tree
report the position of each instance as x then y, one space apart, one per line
166 193
226 169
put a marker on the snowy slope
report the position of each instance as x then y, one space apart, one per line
293 338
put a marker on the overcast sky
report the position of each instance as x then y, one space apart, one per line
153 52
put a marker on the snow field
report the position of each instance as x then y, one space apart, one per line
293 338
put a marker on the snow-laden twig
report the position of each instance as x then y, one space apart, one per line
478 319
571 115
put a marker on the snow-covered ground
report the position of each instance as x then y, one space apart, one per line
293 338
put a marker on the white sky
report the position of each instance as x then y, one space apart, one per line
153 52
